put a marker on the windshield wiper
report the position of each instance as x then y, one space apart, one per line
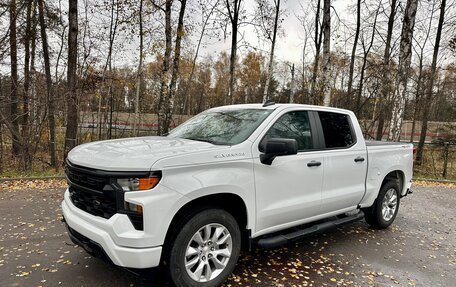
206 140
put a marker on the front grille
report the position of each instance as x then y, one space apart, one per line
85 179
99 204
93 192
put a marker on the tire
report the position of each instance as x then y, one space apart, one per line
209 243
384 210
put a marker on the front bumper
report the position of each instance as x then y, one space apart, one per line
95 239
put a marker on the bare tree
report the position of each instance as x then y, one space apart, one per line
165 72
353 53
430 87
169 83
140 67
113 27
405 59
366 51
317 42
262 7
385 91
233 8
14 98
419 50
71 98
49 88
206 14
326 52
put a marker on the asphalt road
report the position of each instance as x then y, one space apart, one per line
418 250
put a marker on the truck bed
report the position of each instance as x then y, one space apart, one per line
385 157
383 143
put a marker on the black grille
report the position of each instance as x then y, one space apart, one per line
99 204
93 191
85 179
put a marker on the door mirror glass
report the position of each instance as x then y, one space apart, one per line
274 147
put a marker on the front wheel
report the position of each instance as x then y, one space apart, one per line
205 250
385 208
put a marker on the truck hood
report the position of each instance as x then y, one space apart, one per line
134 154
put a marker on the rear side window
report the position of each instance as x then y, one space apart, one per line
337 130
293 125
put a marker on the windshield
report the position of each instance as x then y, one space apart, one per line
221 127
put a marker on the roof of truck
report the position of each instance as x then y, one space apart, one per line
273 106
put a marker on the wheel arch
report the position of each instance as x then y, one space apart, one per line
396 175
229 202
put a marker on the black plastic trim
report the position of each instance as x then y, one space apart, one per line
284 238
110 174
90 246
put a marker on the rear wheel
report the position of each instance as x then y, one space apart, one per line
384 210
205 250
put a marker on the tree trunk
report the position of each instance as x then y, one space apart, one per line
417 97
418 91
139 72
25 156
292 84
428 98
165 74
14 96
317 41
234 19
114 22
169 86
385 91
353 53
405 58
1 128
326 52
32 89
50 95
166 110
72 98
271 55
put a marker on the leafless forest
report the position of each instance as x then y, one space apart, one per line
81 70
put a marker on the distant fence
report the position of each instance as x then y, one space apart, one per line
439 162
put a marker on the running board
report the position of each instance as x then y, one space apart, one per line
281 239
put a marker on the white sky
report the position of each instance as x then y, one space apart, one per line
288 47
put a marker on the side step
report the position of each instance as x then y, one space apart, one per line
281 239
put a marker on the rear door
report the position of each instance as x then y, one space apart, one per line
345 162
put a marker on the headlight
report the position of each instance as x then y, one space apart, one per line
135 184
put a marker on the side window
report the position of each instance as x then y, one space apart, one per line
336 130
293 125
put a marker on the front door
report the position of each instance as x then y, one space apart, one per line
289 190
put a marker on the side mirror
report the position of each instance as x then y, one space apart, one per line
277 147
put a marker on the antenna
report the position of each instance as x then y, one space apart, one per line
268 103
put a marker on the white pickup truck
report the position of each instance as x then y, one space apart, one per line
231 177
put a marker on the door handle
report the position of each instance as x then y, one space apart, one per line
313 163
359 159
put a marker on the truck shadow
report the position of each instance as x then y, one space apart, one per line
311 259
